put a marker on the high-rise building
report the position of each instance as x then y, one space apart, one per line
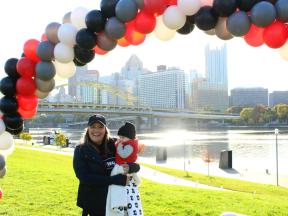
249 96
278 97
77 88
189 77
163 89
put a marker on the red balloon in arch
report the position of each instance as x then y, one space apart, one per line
144 22
171 2
44 37
255 36
132 36
26 67
155 7
27 114
275 35
25 86
27 103
30 48
99 51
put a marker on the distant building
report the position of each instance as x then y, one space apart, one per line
249 96
61 97
163 89
189 77
278 97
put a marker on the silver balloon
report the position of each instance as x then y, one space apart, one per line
139 3
2 162
45 86
3 172
263 14
41 94
67 18
126 10
51 32
282 10
45 70
221 29
105 43
238 24
114 29
210 32
45 51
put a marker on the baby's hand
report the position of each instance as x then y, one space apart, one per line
125 168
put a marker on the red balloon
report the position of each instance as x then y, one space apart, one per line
25 86
123 42
30 48
155 7
275 35
27 102
26 67
145 22
255 36
172 2
132 36
44 37
99 51
1 194
27 114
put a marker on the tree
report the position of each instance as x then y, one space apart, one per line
234 109
282 112
26 136
60 140
246 114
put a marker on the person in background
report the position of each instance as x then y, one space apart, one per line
92 162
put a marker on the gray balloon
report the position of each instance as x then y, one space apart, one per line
221 29
282 10
45 70
105 43
41 94
114 29
139 3
3 172
263 14
126 10
238 24
2 162
51 32
67 18
45 51
45 86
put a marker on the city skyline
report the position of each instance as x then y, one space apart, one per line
247 66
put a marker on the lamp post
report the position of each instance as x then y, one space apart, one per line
276 139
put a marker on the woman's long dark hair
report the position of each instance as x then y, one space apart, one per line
88 141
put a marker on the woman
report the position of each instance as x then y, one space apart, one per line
93 161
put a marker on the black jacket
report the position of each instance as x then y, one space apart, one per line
93 172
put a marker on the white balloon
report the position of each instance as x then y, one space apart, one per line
206 2
162 32
63 53
2 127
67 34
173 18
6 141
65 70
283 51
78 16
189 7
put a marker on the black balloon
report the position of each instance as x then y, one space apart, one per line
10 68
14 131
225 8
190 19
95 21
206 18
108 7
78 63
187 28
86 39
8 86
13 121
83 55
8 105
246 5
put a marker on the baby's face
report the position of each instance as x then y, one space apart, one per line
123 139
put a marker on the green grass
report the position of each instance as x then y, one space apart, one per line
40 183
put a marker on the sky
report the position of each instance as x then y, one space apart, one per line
247 66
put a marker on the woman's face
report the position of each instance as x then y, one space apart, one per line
96 133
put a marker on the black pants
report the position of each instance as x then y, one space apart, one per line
86 213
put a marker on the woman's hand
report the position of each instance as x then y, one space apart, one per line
125 168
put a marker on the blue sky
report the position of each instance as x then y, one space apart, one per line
247 66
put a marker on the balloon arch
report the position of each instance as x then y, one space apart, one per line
84 34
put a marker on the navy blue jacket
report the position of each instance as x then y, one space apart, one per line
93 172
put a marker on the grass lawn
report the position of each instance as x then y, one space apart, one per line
40 183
